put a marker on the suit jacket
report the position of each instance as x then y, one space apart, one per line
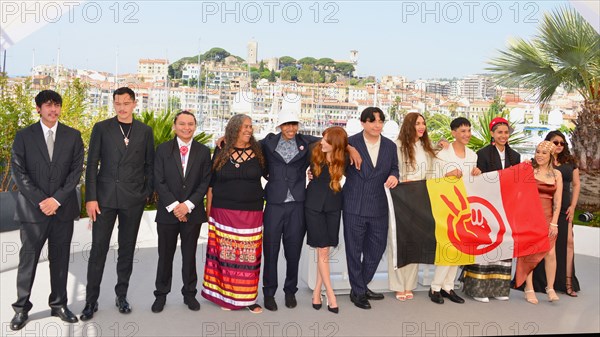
364 193
488 158
282 176
39 178
125 177
171 185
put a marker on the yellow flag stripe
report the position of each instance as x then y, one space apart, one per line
448 198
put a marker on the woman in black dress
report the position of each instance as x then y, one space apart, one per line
565 280
323 206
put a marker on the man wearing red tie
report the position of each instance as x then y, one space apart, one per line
182 169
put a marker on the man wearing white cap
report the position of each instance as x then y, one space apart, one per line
288 156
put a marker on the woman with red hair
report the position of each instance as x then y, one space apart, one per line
323 206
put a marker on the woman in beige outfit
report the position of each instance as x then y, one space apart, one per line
415 159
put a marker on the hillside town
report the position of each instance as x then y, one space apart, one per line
216 89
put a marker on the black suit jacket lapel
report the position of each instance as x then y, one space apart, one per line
192 156
302 148
177 158
117 135
59 142
38 136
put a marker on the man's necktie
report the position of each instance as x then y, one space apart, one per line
50 143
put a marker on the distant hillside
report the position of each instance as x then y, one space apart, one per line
215 54
307 69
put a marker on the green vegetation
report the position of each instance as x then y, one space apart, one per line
214 54
17 106
565 52
162 126
438 127
306 70
18 111
594 223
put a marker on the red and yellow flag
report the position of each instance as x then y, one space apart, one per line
449 221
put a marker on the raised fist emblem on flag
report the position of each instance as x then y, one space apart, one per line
469 230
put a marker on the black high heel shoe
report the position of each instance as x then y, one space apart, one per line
334 310
318 306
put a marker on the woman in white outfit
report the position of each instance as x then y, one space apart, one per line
415 158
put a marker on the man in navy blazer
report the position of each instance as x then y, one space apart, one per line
182 169
118 181
47 162
365 209
287 156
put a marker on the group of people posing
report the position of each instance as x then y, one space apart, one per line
124 169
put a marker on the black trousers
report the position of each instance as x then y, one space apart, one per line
33 237
129 225
167 244
282 222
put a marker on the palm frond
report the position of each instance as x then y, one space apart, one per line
162 127
566 51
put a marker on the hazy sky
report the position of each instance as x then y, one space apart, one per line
416 39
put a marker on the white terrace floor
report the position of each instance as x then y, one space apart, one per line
387 318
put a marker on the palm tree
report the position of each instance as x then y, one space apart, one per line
565 52
162 127
438 128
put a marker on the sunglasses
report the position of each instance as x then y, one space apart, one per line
557 143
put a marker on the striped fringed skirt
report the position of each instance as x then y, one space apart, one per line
233 257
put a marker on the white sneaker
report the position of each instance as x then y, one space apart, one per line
482 299
502 298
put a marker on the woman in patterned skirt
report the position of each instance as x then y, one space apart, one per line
235 212
492 279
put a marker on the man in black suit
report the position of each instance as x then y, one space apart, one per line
124 149
182 169
47 162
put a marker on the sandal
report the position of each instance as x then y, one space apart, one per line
255 308
531 299
570 291
551 295
409 295
400 296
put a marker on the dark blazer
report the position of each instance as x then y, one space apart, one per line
319 196
364 193
172 186
38 178
488 158
282 176
125 177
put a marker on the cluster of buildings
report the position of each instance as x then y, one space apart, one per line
228 89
